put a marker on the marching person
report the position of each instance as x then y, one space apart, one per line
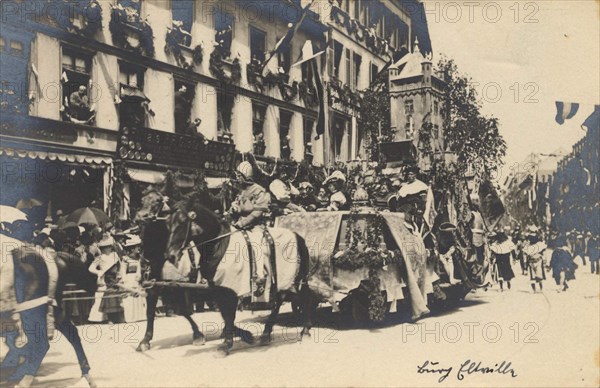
503 250
533 251
563 268
107 267
593 251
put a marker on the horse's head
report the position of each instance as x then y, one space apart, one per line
153 205
190 222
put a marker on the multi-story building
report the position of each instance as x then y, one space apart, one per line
90 84
364 38
417 105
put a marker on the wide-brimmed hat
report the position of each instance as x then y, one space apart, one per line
532 230
107 241
305 185
336 176
447 227
132 240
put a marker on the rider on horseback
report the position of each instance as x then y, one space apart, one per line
250 210
252 204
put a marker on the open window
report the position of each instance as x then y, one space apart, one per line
285 119
133 106
75 80
184 98
374 72
341 141
357 61
224 28
338 48
308 125
224 108
258 122
183 19
258 40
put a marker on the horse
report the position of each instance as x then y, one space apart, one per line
193 223
155 235
31 280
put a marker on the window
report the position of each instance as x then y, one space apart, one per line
341 142
183 11
436 108
224 108
75 79
337 57
258 121
348 78
16 48
356 69
224 28
257 44
285 119
409 108
131 75
374 73
134 103
184 99
308 125
2 43
357 9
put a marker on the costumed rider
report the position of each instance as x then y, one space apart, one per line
252 204
337 199
250 211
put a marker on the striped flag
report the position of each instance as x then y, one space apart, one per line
565 111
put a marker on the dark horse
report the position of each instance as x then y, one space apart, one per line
31 280
193 223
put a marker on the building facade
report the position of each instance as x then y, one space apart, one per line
91 83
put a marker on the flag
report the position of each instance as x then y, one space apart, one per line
321 96
565 111
287 38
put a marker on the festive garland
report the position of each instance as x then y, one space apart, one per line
379 45
216 64
92 19
372 257
173 43
122 21
343 94
308 94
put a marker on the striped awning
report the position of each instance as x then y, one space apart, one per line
57 156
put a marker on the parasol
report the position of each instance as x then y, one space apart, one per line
11 214
88 215
28 203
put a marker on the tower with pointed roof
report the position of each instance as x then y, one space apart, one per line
417 98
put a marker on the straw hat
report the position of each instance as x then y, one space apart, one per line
132 240
107 241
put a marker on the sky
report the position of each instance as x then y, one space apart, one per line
524 57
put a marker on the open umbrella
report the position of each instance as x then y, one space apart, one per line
28 203
11 214
88 215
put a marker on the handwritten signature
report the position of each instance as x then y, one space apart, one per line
466 368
